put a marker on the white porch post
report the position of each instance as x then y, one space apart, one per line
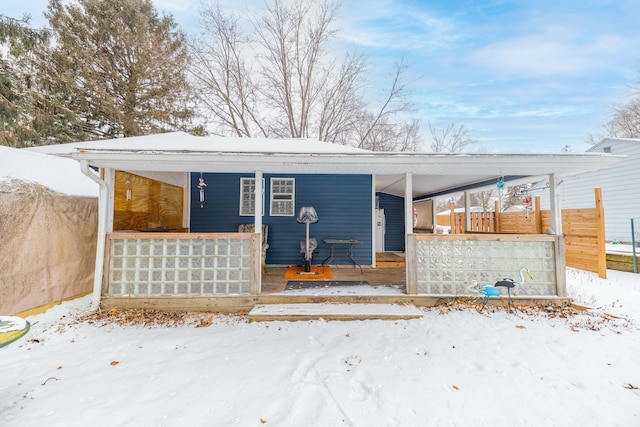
374 233
467 211
186 201
434 208
554 204
408 203
110 179
258 198
256 287
409 239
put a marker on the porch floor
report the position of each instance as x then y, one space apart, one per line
384 280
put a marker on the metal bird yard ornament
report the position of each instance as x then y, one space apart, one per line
510 283
489 291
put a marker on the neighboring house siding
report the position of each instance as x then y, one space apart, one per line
394 215
620 196
343 204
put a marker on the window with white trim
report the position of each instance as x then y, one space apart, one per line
248 196
282 197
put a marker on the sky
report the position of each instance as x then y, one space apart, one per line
521 75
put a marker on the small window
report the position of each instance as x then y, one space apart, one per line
607 149
248 197
282 197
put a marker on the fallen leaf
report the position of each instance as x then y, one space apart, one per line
205 323
455 387
60 367
521 327
347 335
114 363
263 421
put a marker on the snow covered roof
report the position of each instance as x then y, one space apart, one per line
181 141
461 210
432 173
599 147
59 174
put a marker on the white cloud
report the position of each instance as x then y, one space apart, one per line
395 25
174 5
554 52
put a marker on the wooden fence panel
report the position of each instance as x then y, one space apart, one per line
141 203
481 222
517 222
582 228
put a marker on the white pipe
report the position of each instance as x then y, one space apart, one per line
307 253
102 233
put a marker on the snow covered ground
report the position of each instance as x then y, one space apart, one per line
453 367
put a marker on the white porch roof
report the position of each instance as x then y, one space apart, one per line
432 173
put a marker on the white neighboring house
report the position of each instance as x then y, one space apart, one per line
619 183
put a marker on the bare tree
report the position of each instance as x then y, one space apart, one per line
382 130
514 195
452 138
624 121
483 199
339 101
222 74
282 80
294 39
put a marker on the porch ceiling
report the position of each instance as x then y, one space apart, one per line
432 172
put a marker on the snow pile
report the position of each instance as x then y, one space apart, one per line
618 295
58 174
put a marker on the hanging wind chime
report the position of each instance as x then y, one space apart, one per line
527 207
500 185
201 186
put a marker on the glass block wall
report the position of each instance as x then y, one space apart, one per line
444 266
179 267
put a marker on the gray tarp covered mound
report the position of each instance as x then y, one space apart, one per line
47 245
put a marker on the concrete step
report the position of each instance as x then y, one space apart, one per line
328 311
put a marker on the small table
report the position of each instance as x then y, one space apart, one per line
349 242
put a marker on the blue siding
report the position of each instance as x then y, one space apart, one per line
394 215
343 204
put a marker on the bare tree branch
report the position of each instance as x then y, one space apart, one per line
452 138
282 80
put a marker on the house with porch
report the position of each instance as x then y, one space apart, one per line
172 211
